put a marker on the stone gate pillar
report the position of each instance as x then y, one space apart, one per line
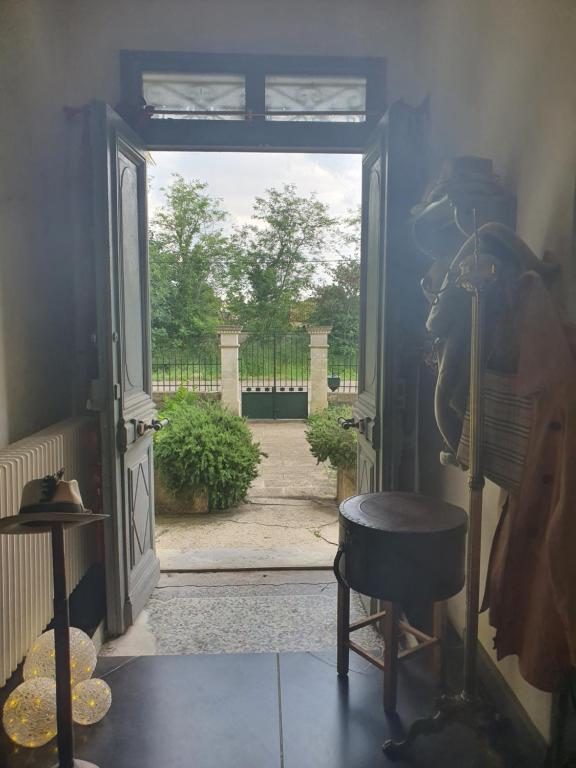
318 385
230 371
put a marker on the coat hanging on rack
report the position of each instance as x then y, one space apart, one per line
531 583
449 323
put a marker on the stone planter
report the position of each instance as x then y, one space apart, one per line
345 483
167 504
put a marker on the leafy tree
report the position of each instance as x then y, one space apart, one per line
337 302
272 264
188 250
302 311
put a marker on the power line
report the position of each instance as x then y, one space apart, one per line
167 260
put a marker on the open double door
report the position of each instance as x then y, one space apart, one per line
392 307
122 393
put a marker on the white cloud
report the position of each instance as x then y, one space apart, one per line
237 178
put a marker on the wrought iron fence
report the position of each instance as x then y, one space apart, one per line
266 361
342 371
280 360
197 371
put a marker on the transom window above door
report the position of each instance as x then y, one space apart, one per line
220 101
317 98
195 96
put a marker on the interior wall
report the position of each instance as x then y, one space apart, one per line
322 27
501 77
35 289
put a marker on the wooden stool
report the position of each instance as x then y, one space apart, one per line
399 548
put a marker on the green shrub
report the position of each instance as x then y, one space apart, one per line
205 449
328 441
180 398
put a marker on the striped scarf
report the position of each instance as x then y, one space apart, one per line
507 423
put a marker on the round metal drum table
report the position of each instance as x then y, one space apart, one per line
399 548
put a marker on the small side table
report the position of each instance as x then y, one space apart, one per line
398 548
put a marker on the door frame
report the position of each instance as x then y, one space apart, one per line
385 415
252 134
368 408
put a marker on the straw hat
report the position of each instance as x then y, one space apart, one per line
46 501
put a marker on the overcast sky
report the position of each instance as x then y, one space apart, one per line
237 178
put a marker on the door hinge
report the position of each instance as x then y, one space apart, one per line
375 436
401 395
96 400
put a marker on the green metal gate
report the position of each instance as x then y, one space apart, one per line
274 372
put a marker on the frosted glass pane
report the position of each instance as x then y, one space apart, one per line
310 94
196 96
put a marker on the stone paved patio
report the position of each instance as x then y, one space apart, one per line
239 612
289 520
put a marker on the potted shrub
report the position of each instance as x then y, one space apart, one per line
205 458
329 442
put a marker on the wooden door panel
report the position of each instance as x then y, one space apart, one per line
143 566
366 471
124 360
392 176
140 500
367 407
131 299
372 283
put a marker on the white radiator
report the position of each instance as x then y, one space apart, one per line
25 561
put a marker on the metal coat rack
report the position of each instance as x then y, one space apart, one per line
477 274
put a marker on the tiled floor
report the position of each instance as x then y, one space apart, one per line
257 711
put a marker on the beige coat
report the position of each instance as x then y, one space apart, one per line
531 586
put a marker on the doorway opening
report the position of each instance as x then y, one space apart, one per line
201 103
249 253
268 244
279 104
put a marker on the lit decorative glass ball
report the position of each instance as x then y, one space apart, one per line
40 661
29 714
91 700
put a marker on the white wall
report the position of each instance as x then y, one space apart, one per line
501 76
315 27
454 488
35 303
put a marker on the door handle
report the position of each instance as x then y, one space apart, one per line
353 423
156 424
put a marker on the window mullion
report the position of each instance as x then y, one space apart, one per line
255 96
